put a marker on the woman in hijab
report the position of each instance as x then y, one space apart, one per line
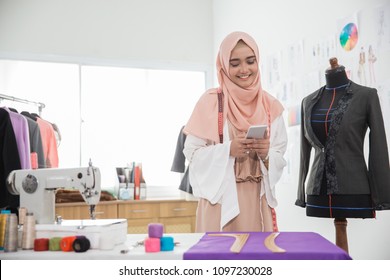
234 177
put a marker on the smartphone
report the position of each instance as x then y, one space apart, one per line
256 131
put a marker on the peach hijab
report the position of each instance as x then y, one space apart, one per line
242 107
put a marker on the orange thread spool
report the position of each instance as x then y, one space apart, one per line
66 243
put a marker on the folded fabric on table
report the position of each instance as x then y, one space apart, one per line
296 246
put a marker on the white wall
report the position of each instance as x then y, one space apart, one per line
145 33
276 25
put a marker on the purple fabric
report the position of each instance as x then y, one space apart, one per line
298 246
20 126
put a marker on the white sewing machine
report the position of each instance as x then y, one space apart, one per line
37 194
37 188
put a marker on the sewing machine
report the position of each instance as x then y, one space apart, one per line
37 188
37 194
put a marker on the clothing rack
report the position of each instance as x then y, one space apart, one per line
15 99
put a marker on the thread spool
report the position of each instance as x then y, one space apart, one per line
3 222
54 244
66 243
152 245
81 244
41 244
20 236
22 215
11 233
28 232
167 243
155 230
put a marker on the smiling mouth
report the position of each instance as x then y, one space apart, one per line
244 77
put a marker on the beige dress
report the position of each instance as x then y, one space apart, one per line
255 214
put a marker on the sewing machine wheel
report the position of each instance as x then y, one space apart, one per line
30 184
10 182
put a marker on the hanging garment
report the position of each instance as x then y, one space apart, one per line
49 143
20 127
36 145
9 159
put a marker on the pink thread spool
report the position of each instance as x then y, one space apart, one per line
152 245
155 230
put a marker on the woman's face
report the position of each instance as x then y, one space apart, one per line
243 66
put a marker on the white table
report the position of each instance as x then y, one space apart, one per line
138 253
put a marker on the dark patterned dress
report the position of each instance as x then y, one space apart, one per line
333 205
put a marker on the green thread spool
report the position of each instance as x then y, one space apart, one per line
54 244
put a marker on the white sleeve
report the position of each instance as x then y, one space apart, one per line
211 174
208 165
276 161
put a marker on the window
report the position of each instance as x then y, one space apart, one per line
136 115
57 86
126 114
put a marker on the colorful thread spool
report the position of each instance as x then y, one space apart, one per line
54 244
66 243
3 222
11 233
167 243
22 215
152 245
28 232
155 230
41 244
81 244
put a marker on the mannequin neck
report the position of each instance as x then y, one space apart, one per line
336 77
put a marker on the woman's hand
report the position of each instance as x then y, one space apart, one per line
241 147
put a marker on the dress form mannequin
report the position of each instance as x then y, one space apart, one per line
340 182
335 76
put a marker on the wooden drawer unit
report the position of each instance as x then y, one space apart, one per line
138 210
177 215
77 211
177 209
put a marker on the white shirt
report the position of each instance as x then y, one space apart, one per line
212 175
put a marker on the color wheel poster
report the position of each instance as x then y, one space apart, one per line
348 32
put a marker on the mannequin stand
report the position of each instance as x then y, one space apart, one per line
341 233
